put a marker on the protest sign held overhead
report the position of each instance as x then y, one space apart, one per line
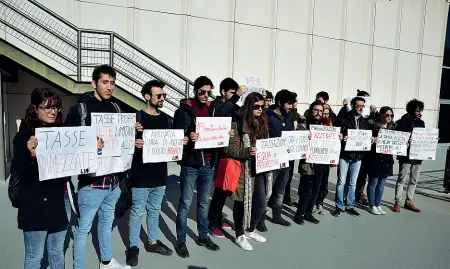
297 144
254 84
324 146
66 151
117 131
359 140
392 142
162 145
213 132
367 104
271 154
424 143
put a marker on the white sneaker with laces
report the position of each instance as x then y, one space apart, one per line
321 211
113 264
255 236
381 210
243 243
374 210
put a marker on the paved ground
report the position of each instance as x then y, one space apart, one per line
401 241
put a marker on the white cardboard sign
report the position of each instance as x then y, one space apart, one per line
392 142
325 145
271 154
424 143
213 132
162 145
359 140
297 144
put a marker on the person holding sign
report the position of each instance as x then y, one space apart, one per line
96 194
250 194
197 167
350 161
280 120
407 123
42 213
148 180
380 166
230 93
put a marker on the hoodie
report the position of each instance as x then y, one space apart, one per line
279 123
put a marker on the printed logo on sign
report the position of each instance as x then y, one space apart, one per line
365 148
282 165
303 155
399 152
430 158
220 143
175 158
332 161
288 151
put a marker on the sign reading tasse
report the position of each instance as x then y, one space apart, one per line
66 151
213 132
392 142
367 104
271 154
359 140
324 146
424 143
162 145
117 131
297 144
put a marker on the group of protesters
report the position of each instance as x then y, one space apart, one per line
44 207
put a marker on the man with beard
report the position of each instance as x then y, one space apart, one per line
279 120
148 180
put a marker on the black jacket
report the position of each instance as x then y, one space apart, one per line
278 124
185 119
348 121
73 119
374 115
41 203
228 108
381 165
407 124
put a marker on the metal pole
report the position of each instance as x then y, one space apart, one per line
2 137
79 55
447 171
111 50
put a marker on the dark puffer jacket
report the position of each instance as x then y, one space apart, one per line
350 122
381 165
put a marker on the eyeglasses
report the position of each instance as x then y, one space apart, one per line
161 95
389 115
203 92
326 114
258 107
49 109
360 106
318 110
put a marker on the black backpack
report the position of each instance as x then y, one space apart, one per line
14 189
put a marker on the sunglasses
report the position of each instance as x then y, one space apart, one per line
389 115
161 95
203 92
258 107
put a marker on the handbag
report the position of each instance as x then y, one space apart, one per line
228 173
14 189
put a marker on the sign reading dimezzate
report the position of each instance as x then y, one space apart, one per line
213 132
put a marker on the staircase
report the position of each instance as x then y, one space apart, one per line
69 54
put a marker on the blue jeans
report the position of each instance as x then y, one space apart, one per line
375 190
35 244
202 177
150 199
351 167
91 201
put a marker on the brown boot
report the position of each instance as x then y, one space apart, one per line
396 208
412 207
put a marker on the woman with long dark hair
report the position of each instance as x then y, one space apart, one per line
42 212
309 185
381 166
250 195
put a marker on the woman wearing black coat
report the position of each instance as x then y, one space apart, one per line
41 206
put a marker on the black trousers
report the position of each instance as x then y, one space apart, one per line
216 207
308 190
258 208
287 190
362 180
322 173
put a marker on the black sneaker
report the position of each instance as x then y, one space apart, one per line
299 220
207 243
288 202
159 248
311 218
352 212
281 221
182 250
261 226
337 212
132 256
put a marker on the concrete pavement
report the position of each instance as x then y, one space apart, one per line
402 241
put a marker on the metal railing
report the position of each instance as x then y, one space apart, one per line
75 52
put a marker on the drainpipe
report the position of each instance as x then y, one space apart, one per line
2 135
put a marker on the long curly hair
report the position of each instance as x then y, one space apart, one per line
259 128
40 96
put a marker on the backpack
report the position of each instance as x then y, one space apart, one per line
14 189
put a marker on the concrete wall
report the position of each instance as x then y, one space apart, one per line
16 98
392 49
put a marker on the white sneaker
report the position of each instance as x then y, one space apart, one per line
381 210
374 210
113 264
315 210
255 236
321 211
243 243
